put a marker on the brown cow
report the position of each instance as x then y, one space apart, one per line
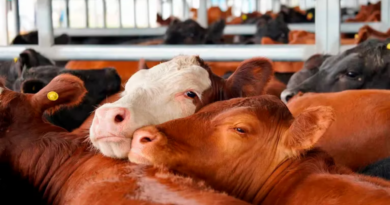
214 14
360 135
254 149
367 13
62 167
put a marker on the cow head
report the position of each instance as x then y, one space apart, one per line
27 59
257 20
233 143
190 32
310 68
367 66
276 29
174 89
35 78
32 38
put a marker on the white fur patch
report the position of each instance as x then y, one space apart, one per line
151 97
1 90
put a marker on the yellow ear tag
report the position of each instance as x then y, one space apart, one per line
33 88
309 16
53 96
356 36
244 17
15 59
388 46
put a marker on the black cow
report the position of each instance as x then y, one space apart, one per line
100 83
276 29
380 168
11 70
190 32
289 15
366 66
31 38
255 20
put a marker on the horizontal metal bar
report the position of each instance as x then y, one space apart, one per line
229 30
346 47
164 52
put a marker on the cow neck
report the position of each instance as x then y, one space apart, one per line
265 186
47 157
285 178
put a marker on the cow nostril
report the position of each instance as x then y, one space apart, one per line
118 118
145 139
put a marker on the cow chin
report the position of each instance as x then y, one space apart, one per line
117 149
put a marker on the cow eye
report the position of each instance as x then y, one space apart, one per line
240 130
190 94
352 74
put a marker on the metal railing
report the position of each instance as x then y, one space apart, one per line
327 29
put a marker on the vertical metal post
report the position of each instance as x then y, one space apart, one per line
135 13
87 13
104 14
172 8
276 6
162 8
120 13
17 16
327 26
257 4
385 13
202 13
67 13
44 23
3 23
147 13
185 9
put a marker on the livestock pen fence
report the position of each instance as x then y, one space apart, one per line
327 28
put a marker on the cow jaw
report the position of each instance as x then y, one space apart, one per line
152 97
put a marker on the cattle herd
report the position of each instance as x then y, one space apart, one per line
186 131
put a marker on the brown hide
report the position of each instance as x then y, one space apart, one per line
214 14
360 134
261 154
64 168
367 13
366 32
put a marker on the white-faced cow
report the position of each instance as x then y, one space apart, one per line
170 90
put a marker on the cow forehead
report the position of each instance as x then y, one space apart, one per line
171 76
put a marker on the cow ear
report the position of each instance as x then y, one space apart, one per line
142 64
315 61
32 86
63 90
250 78
284 9
63 39
160 20
28 59
19 40
215 31
306 129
